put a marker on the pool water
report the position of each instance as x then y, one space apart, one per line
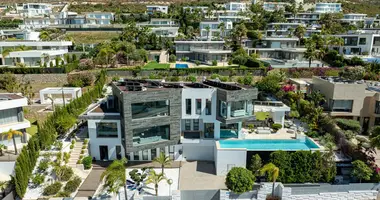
181 66
371 60
269 145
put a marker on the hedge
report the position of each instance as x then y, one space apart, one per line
48 132
40 70
349 124
303 166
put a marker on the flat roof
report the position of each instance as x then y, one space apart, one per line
55 89
137 85
9 96
225 85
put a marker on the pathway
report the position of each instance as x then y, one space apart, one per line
91 184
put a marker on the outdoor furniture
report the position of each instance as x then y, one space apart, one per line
263 131
290 131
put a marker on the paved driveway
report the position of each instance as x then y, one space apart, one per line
200 175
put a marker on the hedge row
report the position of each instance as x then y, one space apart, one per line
48 132
40 70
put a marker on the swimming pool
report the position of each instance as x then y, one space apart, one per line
269 145
181 66
371 60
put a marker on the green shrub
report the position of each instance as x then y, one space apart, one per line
85 141
349 124
87 162
197 62
254 63
79 161
349 134
63 173
72 146
276 127
172 58
73 141
43 166
59 145
214 63
63 194
72 185
82 152
81 156
38 179
80 79
66 157
174 79
84 147
191 78
240 180
52 189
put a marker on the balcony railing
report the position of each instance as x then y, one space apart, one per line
270 103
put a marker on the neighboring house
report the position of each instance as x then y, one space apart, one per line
161 27
287 29
203 51
360 43
12 117
274 6
144 117
156 8
350 99
203 9
99 18
307 18
210 29
40 52
34 9
328 7
235 6
229 16
354 18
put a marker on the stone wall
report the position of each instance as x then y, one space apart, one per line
42 78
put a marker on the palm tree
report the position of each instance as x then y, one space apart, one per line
115 176
222 28
208 31
11 135
163 160
299 32
4 54
2 148
155 179
272 172
311 52
45 36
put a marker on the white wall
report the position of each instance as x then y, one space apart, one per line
201 93
110 142
204 150
225 157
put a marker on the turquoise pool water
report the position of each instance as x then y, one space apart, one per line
181 66
269 145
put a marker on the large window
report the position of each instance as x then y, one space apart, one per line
106 129
8 116
377 107
209 130
188 106
238 108
198 110
187 124
150 135
350 41
208 106
150 109
342 105
153 153
223 109
362 41
196 124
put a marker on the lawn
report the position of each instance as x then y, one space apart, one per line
155 65
32 130
261 116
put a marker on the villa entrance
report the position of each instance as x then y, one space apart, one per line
103 150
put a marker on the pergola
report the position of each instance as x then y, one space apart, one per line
46 95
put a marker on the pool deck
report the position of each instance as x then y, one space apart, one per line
280 135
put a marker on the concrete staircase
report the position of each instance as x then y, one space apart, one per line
75 153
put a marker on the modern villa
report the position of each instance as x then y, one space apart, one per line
187 121
12 117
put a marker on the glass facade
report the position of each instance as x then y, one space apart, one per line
148 135
150 109
229 130
187 124
208 106
223 109
341 105
238 108
153 153
188 106
209 130
8 116
377 107
198 105
196 124
106 129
